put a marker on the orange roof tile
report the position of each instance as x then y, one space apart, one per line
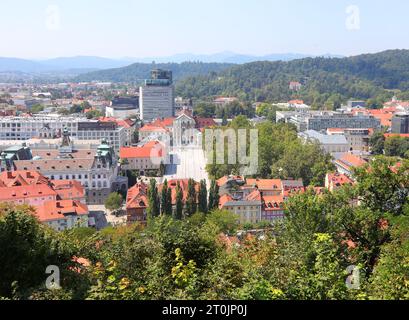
68 189
56 210
26 192
263 184
137 197
273 203
349 161
153 149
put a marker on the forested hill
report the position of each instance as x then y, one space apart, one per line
325 80
137 72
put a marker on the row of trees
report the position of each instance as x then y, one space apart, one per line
160 202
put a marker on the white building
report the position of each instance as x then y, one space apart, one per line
52 126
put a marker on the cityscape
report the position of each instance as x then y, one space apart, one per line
205 177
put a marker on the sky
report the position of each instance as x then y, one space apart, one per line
151 28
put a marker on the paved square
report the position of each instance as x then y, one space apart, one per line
187 162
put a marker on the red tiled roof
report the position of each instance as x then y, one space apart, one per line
137 197
335 180
204 122
223 180
166 122
153 149
128 123
332 130
254 196
349 161
68 189
151 128
273 203
22 178
296 101
225 199
25 192
55 210
264 184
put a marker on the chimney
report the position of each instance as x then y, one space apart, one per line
9 175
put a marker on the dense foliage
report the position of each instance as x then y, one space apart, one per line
305 257
281 154
138 72
326 82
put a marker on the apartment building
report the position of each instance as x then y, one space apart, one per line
322 120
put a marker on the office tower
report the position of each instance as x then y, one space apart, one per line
156 97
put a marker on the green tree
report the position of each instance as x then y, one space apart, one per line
213 196
27 248
179 202
396 146
166 199
191 201
76 109
93 114
114 201
390 278
225 221
153 200
326 279
203 206
37 108
377 142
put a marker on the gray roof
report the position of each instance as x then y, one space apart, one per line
323 138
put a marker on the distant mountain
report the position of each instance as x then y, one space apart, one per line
20 65
137 72
78 64
84 62
225 57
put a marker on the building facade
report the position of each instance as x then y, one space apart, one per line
400 123
157 97
52 126
96 169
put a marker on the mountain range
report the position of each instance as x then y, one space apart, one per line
83 64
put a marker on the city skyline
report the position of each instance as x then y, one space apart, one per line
136 29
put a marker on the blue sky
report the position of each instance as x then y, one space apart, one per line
136 28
